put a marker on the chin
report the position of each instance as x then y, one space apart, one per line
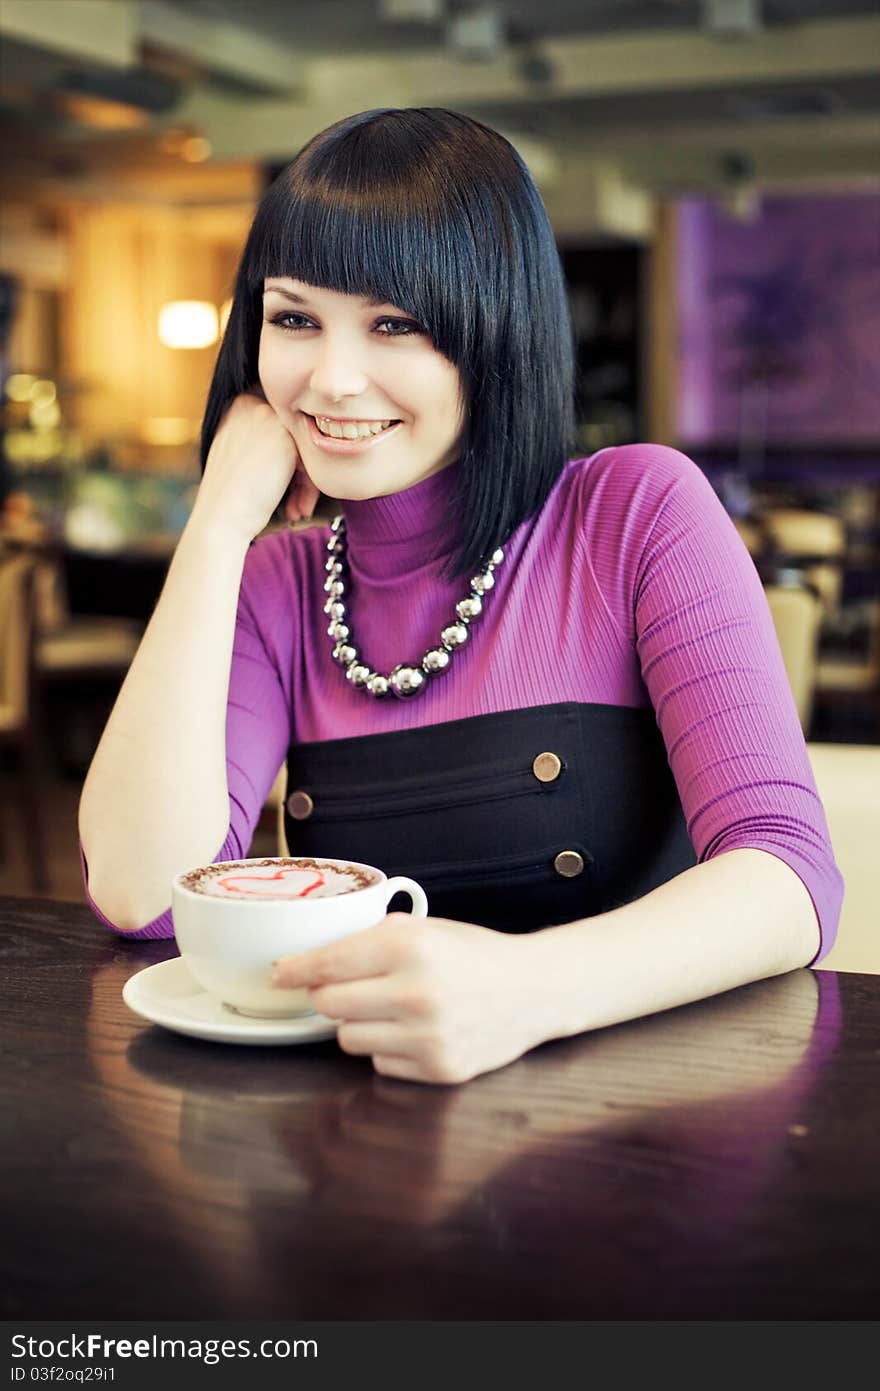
362 491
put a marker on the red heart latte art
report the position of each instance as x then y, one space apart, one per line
304 881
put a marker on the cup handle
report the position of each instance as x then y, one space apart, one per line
400 884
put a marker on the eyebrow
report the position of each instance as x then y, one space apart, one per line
298 299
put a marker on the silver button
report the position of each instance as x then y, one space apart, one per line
300 806
547 767
569 864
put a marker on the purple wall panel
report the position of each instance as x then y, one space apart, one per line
779 322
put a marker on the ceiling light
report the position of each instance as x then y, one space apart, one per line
412 11
732 19
98 113
477 35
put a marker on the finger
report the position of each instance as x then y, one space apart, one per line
360 999
308 493
365 953
365 1039
302 497
392 1065
301 503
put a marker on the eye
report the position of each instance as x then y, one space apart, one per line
279 320
399 328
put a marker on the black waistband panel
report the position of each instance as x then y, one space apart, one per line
516 820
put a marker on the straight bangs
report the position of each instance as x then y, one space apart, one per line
371 215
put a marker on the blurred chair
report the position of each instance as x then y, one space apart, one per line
77 647
78 644
848 781
796 534
856 676
19 723
797 615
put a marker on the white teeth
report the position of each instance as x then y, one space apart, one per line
351 429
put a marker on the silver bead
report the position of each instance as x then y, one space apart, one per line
435 661
456 635
469 608
406 681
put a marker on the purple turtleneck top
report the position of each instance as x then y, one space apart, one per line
629 587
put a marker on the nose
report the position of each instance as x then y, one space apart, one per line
337 371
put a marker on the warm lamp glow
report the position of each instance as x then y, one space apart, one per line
20 385
196 149
188 323
225 311
45 415
165 430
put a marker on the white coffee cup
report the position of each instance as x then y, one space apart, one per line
231 941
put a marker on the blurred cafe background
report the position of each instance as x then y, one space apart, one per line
711 171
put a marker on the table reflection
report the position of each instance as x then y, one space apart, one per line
672 1126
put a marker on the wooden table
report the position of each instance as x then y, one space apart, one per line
721 1160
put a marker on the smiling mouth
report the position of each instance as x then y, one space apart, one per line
351 429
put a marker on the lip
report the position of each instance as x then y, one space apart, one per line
347 419
332 446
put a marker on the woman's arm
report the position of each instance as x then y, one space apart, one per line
156 799
739 917
433 1000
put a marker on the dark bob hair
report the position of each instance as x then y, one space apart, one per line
435 213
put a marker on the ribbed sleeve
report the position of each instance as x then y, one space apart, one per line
689 593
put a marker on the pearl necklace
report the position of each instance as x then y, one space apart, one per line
404 680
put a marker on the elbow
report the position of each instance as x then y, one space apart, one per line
121 912
800 937
113 906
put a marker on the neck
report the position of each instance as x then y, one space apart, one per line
391 536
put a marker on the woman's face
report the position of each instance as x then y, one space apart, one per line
334 364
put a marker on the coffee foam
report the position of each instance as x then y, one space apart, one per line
276 879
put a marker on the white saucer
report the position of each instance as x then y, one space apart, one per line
167 994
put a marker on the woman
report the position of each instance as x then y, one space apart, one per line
597 770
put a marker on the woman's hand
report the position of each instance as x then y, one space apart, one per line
428 999
252 464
